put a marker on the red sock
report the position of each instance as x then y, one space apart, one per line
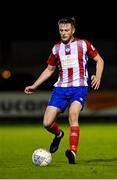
74 137
54 129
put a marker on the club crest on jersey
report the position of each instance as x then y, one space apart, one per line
67 50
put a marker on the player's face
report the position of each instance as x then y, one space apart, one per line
66 32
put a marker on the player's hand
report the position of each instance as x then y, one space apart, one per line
29 90
95 82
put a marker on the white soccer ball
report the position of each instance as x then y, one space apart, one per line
41 157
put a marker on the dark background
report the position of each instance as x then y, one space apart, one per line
29 30
38 20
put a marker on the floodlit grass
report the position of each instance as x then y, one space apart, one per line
97 153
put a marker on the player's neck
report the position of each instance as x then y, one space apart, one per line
69 41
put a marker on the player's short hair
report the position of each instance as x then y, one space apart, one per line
67 20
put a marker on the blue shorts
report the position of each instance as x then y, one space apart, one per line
63 96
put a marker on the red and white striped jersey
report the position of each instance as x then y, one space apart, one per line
72 61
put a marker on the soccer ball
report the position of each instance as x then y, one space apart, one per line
41 157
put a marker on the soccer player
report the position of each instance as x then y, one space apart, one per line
71 56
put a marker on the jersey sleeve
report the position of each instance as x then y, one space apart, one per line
52 60
91 51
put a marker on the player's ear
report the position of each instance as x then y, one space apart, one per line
73 30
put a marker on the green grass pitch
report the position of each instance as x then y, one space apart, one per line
97 152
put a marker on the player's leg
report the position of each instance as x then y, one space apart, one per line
56 104
50 124
77 104
74 112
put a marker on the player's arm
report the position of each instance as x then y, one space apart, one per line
95 79
43 77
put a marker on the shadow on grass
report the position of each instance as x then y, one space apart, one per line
107 162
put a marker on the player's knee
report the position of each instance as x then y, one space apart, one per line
73 116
